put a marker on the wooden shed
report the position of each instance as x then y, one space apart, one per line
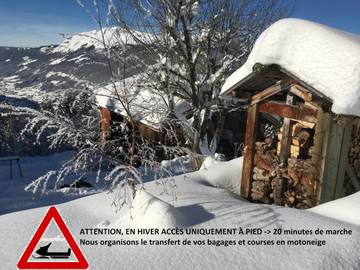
149 111
304 163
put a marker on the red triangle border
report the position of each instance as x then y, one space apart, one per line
52 213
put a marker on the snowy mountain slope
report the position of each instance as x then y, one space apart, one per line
76 62
199 205
112 37
35 77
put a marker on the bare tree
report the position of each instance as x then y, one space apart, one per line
197 44
190 47
116 159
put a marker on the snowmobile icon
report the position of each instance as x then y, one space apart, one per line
45 254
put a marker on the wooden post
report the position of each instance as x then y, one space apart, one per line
321 137
286 135
285 143
249 149
105 123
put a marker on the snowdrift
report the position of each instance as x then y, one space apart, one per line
346 209
149 211
200 205
325 58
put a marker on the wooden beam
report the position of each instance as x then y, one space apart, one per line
268 92
249 150
295 112
301 92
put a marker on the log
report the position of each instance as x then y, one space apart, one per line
260 172
307 124
301 137
294 151
264 161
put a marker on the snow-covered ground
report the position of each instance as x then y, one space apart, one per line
12 195
201 203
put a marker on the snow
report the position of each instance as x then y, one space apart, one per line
55 82
146 105
12 194
56 61
27 60
345 209
113 36
325 58
79 59
199 205
151 212
178 165
222 174
57 74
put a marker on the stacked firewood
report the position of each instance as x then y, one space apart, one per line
294 185
354 152
302 140
265 163
302 184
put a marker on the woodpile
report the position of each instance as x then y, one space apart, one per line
265 161
294 185
302 140
354 152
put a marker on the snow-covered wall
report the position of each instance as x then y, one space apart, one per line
325 58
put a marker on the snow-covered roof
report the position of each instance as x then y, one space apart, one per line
325 58
146 105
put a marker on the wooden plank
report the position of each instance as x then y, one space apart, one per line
268 92
335 161
343 158
294 112
249 150
301 92
286 134
321 137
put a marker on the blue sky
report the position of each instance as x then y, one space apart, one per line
39 22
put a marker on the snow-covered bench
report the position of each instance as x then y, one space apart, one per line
12 159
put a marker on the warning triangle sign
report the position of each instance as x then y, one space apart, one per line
52 260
